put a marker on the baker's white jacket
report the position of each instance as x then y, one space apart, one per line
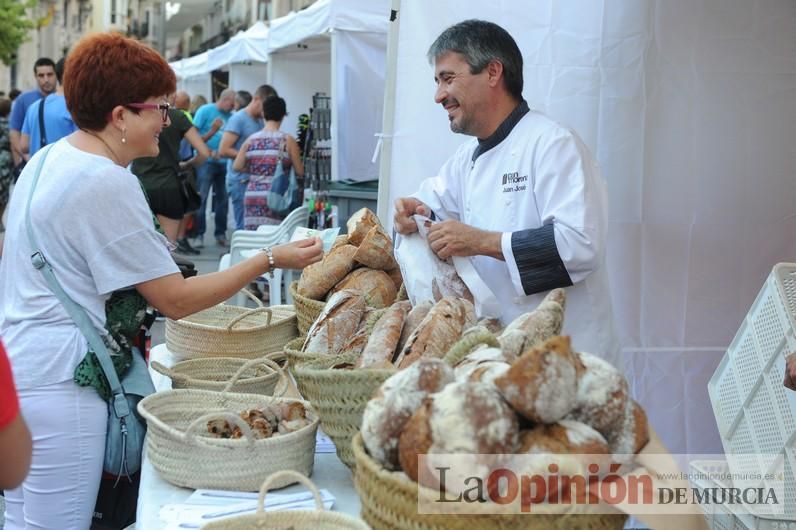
535 182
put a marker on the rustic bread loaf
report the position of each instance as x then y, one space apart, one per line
394 403
338 321
533 328
376 251
359 224
602 395
563 437
383 341
541 384
463 417
317 279
376 286
339 241
484 365
413 319
396 277
439 330
630 434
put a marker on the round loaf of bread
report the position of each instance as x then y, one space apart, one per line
602 394
541 384
394 403
563 437
376 286
462 418
631 433
484 365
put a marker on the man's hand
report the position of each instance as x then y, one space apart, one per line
216 125
453 238
790 371
405 208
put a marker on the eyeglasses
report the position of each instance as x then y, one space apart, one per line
162 107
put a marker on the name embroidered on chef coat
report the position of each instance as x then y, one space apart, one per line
513 182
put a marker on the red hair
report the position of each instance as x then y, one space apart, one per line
107 69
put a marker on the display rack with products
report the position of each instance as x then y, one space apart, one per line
318 162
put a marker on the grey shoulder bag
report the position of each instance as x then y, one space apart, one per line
124 441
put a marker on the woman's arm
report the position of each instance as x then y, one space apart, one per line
16 448
177 297
240 164
202 151
295 156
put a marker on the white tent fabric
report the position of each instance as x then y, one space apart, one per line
245 46
690 109
191 66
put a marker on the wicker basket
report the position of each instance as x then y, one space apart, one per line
295 356
317 519
228 374
307 309
339 397
181 457
390 499
231 331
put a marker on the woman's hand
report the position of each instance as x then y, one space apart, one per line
298 254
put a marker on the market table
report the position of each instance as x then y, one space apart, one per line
329 472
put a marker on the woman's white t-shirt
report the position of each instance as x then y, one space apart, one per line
94 226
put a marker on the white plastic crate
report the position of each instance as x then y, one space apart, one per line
754 411
727 517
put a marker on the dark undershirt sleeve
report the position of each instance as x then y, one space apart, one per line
539 264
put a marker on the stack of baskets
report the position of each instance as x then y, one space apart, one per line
223 373
231 331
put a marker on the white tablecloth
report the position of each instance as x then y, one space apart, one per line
329 473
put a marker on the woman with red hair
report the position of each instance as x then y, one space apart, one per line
92 222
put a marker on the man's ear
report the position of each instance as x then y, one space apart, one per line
495 72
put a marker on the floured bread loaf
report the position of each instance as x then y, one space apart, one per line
383 340
396 277
533 328
541 384
376 251
564 437
483 365
339 241
359 224
602 395
317 279
377 287
338 321
446 282
463 417
439 330
394 403
631 433
413 319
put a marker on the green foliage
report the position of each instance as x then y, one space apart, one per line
14 26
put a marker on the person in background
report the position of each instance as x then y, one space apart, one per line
15 443
523 199
239 127
197 102
93 223
259 156
209 120
182 101
44 70
6 162
160 175
242 98
57 120
14 94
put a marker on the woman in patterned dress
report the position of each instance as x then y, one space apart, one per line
259 156
5 158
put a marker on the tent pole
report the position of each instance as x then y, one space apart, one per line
383 206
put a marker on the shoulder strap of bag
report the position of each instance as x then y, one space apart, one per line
78 314
42 131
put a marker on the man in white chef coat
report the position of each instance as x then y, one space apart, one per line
523 199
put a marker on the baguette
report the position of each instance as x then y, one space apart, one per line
532 329
318 279
413 319
385 336
439 330
338 321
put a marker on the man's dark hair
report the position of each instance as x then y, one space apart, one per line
43 61
242 98
265 91
274 108
59 70
12 95
5 107
481 42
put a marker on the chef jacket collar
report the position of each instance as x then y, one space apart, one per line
502 131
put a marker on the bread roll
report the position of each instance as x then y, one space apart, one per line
541 384
377 287
383 341
359 224
394 403
439 330
469 418
317 279
531 329
413 319
602 394
563 437
376 251
336 324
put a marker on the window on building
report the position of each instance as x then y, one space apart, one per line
113 11
66 12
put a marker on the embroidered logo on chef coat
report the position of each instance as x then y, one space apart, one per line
513 182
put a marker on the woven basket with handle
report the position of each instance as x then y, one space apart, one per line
213 373
307 309
180 449
231 331
317 519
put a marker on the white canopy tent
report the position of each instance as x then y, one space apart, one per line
690 109
193 76
337 47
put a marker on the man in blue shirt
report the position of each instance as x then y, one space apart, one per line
240 126
209 121
44 69
56 118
